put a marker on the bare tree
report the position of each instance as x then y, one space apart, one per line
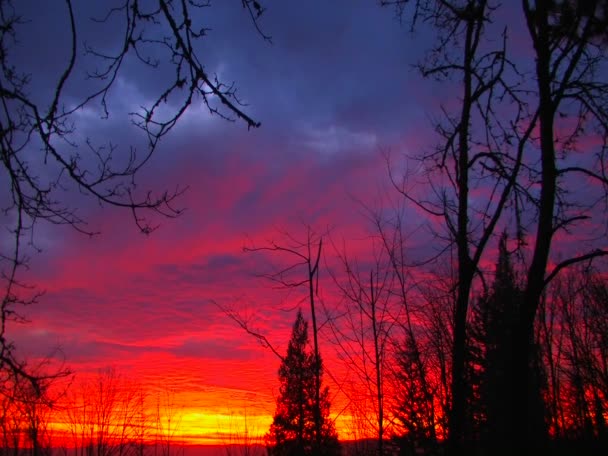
242 437
578 370
569 45
28 412
361 332
15 435
106 416
167 422
551 343
421 351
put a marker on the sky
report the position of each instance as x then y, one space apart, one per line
335 92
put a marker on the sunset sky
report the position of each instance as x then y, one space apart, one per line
335 92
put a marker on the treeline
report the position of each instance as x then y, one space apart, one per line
568 396
391 327
393 333
103 415
572 340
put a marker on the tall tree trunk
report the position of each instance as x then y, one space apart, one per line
378 364
524 421
465 267
313 272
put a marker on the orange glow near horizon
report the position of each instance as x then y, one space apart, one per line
198 428
184 425
196 414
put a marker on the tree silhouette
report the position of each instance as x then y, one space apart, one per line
307 256
414 412
521 158
574 331
473 140
26 414
569 43
105 415
491 369
417 349
294 427
362 333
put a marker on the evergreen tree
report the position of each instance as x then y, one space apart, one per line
293 430
490 371
414 411
491 340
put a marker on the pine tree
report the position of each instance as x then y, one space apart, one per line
492 335
491 341
414 412
293 430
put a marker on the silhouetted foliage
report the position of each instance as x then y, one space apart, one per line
28 412
573 332
521 156
491 369
362 330
415 401
294 427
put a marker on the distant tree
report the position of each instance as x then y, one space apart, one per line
168 421
294 428
414 412
417 366
361 333
27 413
242 437
105 416
580 383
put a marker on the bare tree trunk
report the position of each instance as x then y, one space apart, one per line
377 363
523 425
313 271
458 419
